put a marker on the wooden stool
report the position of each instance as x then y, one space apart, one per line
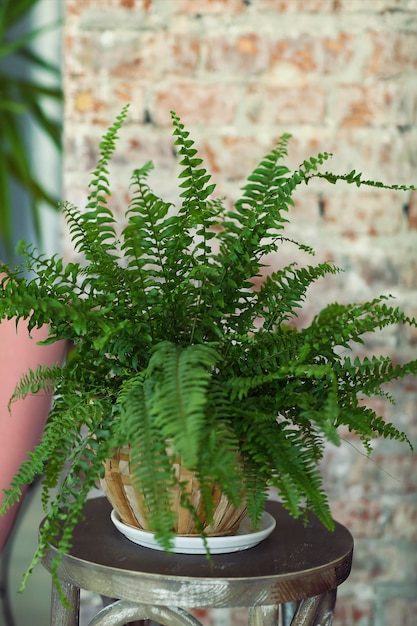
296 563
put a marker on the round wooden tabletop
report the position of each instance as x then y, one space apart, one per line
296 561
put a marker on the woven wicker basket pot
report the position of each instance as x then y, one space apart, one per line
132 510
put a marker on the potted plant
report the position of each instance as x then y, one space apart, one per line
177 355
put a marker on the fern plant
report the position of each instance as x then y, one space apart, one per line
23 99
171 341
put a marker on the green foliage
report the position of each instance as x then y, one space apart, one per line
176 352
21 98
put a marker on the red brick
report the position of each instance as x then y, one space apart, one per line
372 6
280 6
165 54
236 616
393 53
376 104
363 517
392 152
306 208
77 7
384 473
403 522
232 157
266 104
204 616
147 145
133 151
372 212
338 52
197 103
89 103
299 51
401 611
382 154
203 7
243 53
410 416
138 59
412 210
352 611
298 6
137 56
381 562
408 277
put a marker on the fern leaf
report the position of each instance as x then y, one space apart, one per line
152 473
196 179
43 379
284 291
180 378
355 178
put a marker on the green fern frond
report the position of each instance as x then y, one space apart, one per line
257 489
44 379
257 220
355 178
303 174
101 221
366 376
179 380
381 428
64 513
196 179
288 467
284 291
28 470
152 472
218 463
93 231
148 239
363 421
348 323
258 212
34 465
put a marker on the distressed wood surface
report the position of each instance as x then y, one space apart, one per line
294 563
60 614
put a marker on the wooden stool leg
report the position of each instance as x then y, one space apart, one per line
316 611
264 615
107 601
124 611
325 612
288 610
61 615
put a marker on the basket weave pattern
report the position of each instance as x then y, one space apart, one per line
130 506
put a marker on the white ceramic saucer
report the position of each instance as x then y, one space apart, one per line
244 538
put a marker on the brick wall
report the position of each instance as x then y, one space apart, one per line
341 76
